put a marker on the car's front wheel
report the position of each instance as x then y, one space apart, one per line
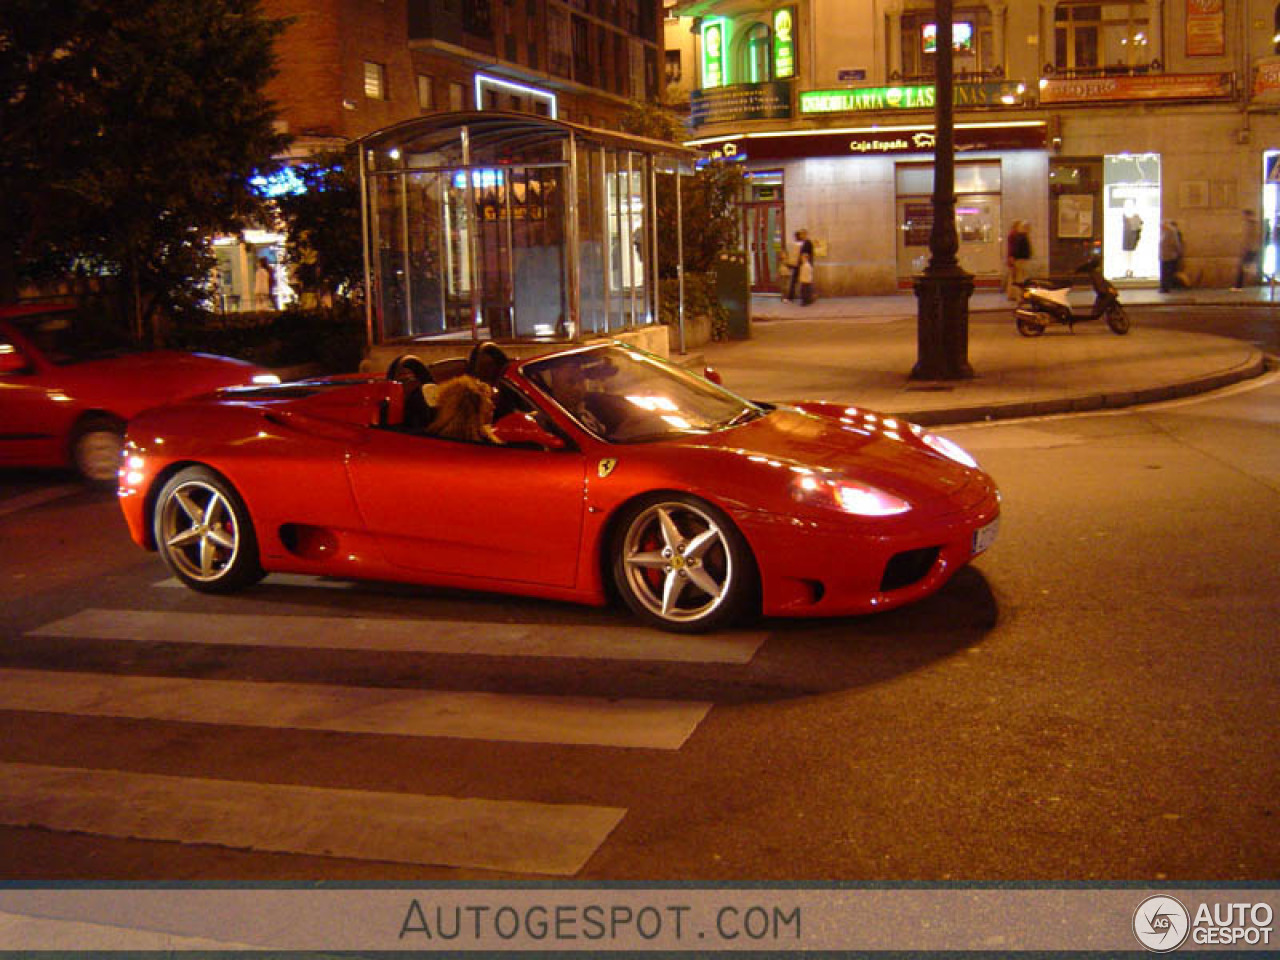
203 531
681 564
95 449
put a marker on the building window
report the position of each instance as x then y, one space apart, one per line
674 66
971 43
375 80
426 96
457 96
757 52
1100 36
477 18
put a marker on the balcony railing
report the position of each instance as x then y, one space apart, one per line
994 75
1113 70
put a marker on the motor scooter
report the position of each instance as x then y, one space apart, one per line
1044 302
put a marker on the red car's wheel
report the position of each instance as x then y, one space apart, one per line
95 449
203 531
681 564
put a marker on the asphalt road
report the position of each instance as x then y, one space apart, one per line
1094 700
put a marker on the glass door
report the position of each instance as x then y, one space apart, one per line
764 232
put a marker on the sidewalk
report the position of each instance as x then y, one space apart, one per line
860 350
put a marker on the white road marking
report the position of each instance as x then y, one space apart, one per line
406 636
37 497
538 838
636 723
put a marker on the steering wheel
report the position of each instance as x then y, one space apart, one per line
408 367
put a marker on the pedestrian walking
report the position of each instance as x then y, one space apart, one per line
1250 244
1170 255
1018 257
803 248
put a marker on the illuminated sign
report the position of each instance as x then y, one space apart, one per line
784 50
920 97
1167 86
741 101
715 60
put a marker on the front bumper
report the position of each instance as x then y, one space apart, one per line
831 570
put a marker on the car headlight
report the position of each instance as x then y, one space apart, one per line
849 496
949 449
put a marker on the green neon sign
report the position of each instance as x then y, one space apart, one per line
867 98
784 48
715 52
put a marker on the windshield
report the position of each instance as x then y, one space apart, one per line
69 336
628 396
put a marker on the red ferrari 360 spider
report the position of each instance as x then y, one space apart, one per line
66 390
618 473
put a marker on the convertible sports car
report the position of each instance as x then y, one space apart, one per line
67 389
619 473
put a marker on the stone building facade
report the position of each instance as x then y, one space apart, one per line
1093 121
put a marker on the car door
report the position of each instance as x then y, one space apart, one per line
476 510
33 417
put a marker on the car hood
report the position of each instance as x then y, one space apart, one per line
883 452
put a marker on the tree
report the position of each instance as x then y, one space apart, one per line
709 197
129 131
324 229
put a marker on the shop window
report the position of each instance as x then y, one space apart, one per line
972 45
1101 37
756 53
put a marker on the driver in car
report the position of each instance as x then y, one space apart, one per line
568 384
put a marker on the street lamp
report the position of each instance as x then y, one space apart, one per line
943 290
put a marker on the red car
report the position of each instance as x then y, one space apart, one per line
66 392
619 473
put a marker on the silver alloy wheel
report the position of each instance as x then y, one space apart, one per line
677 562
198 531
97 454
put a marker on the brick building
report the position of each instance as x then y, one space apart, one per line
350 67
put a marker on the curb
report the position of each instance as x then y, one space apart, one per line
1256 366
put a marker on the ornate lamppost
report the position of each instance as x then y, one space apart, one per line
943 290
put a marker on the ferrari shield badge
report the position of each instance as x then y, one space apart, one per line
605 467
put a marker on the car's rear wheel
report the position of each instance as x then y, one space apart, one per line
203 531
95 449
681 565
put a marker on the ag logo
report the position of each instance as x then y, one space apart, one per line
605 467
1161 923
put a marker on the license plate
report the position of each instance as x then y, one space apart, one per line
984 537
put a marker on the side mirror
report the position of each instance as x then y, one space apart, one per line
712 374
519 429
11 361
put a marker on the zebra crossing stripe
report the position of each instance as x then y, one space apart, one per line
537 838
637 723
409 636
